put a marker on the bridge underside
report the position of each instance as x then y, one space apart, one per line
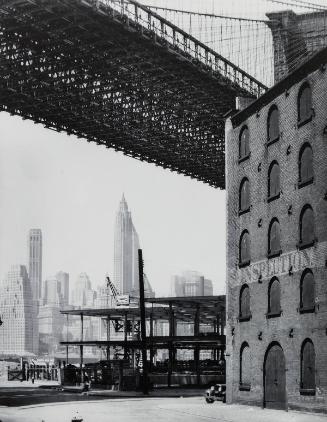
93 73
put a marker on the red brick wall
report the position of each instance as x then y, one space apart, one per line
312 325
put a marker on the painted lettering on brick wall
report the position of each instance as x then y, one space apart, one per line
294 261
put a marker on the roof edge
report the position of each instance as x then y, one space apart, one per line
296 76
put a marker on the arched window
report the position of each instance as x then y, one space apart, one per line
244 196
244 305
273 180
304 103
274 308
305 164
307 292
245 367
274 238
307 233
244 143
308 368
273 124
244 249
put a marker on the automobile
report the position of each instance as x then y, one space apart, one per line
216 392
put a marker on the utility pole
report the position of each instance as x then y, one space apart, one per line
143 325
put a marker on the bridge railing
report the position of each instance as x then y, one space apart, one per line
153 25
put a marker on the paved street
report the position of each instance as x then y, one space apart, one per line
150 410
32 396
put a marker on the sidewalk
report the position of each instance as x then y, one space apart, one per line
157 393
28 384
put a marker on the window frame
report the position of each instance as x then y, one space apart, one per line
248 316
242 264
273 254
270 313
246 156
240 211
271 110
303 121
303 390
303 183
301 244
243 386
277 195
303 309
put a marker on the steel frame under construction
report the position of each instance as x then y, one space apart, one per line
196 311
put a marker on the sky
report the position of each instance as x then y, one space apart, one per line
71 190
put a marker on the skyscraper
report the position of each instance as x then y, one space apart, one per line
126 245
35 262
83 294
63 279
19 332
191 283
50 320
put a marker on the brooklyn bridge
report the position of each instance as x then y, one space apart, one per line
118 74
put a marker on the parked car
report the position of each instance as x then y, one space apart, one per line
216 393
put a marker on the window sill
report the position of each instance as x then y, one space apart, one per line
303 310
274 254
273 314
272 198
241 159
244 318
307 245
244 264
241 212
304 121
302 184
272 141
308 391
244 387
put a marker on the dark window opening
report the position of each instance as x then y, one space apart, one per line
274 308
307 232
307 292
244 143
245 368
308 368
244 249
304 104
305 165
244 196
274 247
244 304
273 125
273 181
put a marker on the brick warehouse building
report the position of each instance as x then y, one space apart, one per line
276 163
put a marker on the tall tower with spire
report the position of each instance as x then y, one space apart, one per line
125 251
126 247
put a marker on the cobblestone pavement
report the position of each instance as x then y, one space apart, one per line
151 410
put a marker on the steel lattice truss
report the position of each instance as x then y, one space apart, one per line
121 77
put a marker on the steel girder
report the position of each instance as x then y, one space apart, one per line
83 68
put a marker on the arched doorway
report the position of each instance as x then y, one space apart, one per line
274 378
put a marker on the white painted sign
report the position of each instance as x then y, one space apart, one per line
122 300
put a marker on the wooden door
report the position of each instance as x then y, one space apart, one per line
274 379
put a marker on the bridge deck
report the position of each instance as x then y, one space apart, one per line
146 89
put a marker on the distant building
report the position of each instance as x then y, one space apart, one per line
50 319
19 332
126 245
52 292
83 295
63 279
35 262
191 283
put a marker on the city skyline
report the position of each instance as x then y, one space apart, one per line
76 212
